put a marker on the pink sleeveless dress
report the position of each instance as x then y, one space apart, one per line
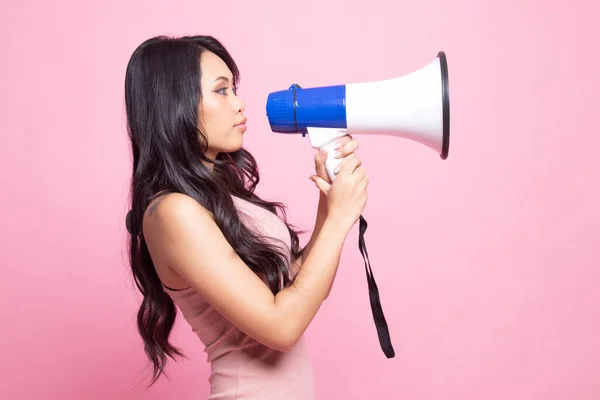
241 367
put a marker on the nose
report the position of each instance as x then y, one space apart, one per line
239 105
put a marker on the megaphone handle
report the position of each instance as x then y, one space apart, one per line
325 138
332 162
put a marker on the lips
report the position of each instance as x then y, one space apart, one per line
242 122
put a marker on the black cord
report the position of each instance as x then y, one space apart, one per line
382 329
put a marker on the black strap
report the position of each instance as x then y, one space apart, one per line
378 317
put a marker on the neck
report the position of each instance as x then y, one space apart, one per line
209 165
211 156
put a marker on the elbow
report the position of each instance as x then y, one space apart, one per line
284 347
285 342
285 336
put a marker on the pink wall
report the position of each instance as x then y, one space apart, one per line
487 263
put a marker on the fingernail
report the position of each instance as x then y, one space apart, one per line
338 154
338 144
323 152
337 169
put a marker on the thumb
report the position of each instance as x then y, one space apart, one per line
321 184
320 159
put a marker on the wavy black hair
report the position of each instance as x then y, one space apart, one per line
162 94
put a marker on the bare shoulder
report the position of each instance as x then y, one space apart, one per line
174 212
182 235
168 220
173 205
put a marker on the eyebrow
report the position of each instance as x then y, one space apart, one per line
223 78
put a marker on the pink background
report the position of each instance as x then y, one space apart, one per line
487 263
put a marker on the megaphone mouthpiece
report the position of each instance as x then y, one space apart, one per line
296 109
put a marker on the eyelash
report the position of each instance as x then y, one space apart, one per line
234 91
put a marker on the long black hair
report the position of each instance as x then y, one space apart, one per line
162 93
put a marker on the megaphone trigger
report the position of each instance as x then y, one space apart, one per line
325 138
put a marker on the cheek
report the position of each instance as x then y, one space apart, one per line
216 114
217 123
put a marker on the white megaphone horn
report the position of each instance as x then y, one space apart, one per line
415 106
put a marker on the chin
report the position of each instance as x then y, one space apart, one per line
233 147
237 142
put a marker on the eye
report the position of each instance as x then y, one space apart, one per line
223 91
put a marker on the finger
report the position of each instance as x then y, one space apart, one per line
347 149
363 183
359 173
321 184
351 156
341 142
349 164
320 159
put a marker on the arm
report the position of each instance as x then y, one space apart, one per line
183 235
320 220
346 145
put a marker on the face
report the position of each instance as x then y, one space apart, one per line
221 111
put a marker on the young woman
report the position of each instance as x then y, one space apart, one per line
203 242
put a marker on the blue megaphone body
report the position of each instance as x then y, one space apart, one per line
297 109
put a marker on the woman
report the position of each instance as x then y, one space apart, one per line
203 242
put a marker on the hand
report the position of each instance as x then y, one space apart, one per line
346 145
347 196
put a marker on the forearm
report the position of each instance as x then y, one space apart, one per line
298 304
321 216
320 219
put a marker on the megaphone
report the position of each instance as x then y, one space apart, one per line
415 106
